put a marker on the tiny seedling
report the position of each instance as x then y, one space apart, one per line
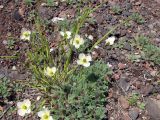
117 9
10 43
28 2
133 99
137 18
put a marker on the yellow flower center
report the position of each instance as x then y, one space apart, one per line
46 117
84 60
77 41
26 34
24 107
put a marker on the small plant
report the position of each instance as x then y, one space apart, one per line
134 57
4 87
50 2
72 85
141 105
149 51
84 96
10 43
117 9
137 18
133 99
28 2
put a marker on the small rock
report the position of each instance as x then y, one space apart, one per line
153 108
124 84
3 72
1 7
134 113
94 55
16 76
147 90
153 73
116 76
158 96
121 66
126 117
123 102
127 46
17 15
45 12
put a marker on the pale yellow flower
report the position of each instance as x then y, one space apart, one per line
25 34
77 41
45 115
84 60
56 19
24 107
66 34
50 71
110 40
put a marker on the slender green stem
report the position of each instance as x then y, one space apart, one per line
8 57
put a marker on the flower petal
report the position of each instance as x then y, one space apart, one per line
19 104
89 58
81 55
50 118
21 112
40 113
27 102
86 64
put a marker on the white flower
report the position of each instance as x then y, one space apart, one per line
110 40
24 107
66 34
45 114
25 34
109 65
38 98
50 71
84 60
56 19
90 37
96 47
51 49
77 41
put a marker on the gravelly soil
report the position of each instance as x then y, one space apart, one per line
128 77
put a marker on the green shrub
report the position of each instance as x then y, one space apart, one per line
4 87
137 18
84 96
150 51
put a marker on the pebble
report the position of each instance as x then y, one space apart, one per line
134 113
123 102
153 108
124 84
116 76
17 15
147 90
121 66
127 46
1 7
158 96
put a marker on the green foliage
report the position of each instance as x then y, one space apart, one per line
4 87
116 9
10 43
84 96
133 99
134 58
150 51
141 106
137 18
28 2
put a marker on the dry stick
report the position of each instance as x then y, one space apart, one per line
6 110
8 57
